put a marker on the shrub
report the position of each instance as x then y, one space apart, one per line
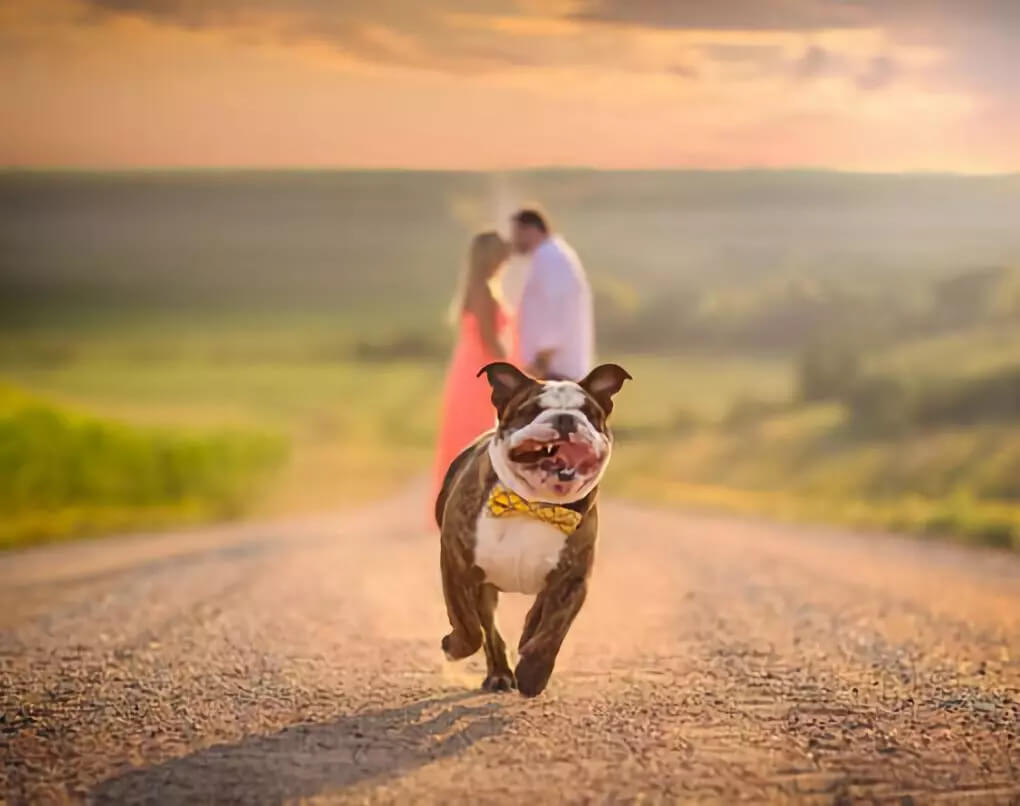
881 405
990 398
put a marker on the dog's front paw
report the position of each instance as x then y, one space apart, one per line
499 681
532 674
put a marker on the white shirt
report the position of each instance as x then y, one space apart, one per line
512 279
556 311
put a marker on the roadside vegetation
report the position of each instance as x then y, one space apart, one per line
898 442
275 345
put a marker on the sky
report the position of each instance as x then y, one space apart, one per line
859 85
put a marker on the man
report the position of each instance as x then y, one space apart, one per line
555 319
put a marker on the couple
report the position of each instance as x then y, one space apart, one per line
553 336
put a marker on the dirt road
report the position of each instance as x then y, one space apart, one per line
717 659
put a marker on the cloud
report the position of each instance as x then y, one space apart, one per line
812 63
972 44
395 32
880 73
801 15
461 37
472 37
777 15
747 53
683 71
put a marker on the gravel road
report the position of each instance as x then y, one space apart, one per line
717 659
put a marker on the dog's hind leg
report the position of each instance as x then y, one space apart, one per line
498 676
461 592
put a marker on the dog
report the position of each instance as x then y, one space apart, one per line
517 513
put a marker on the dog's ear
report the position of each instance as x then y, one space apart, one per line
506 381
603 382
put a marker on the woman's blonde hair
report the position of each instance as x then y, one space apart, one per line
488 250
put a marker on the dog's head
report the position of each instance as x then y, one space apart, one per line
552 443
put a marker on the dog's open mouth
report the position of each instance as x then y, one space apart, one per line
565 458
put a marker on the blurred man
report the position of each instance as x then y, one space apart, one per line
555 321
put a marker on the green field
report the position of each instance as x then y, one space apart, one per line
66 474
204 315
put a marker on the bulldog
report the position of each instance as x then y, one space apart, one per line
517 513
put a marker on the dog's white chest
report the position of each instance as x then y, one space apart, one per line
517 553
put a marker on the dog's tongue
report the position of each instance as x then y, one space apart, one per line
575 453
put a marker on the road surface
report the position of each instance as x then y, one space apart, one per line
717 659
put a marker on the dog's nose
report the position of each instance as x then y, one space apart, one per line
565 424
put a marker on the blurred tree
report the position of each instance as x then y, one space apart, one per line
826 372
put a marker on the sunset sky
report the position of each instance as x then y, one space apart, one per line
886 85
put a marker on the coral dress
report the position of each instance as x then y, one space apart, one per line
467 409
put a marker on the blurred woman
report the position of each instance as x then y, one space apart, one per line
485 334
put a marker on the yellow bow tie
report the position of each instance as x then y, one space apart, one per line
504 503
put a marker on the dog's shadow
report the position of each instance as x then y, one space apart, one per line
310 759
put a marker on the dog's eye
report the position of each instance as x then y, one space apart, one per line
524 416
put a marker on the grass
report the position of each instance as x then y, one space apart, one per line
803 465
963 519
65 474
671 391
355 430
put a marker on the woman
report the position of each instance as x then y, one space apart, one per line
484 335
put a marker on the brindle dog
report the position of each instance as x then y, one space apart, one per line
550 446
